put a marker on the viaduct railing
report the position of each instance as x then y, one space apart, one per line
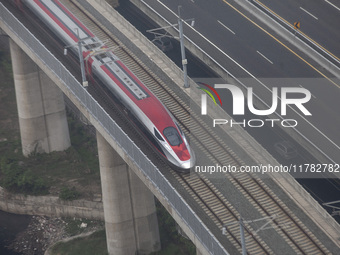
12 26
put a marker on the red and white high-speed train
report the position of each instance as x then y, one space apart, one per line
123 84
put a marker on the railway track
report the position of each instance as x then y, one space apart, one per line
213 203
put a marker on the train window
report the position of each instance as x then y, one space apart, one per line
172 136
90 46
101 56
158 135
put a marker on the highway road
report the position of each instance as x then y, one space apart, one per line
249 49
319 19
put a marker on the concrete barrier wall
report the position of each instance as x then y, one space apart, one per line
228 77
50 206
137 161
296 192
140 40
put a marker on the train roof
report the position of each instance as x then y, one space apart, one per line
64 19
142 97
64 24
138 93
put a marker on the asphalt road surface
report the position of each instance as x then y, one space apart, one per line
258 56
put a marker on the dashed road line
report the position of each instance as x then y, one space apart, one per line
265 57
309 13
251 75
336 7
226 27
303 34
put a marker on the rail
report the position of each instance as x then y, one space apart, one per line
294 131
17 31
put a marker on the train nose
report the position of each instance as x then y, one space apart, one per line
186 165
189 163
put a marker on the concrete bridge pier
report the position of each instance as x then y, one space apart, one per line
113 3
144 210
41 108
198 252
129 209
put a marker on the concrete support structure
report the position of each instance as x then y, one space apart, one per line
129 209
41 108
113 3
145 217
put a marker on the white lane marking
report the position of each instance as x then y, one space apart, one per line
264 57
336 7
309 13
214 45
251 75
309 91
226 27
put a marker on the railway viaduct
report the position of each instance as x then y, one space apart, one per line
129 179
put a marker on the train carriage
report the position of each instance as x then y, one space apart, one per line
119 80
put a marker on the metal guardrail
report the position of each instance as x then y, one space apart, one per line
298 188
242 85
201 232
289 27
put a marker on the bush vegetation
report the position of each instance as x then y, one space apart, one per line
69 194
172 242
95 242
16 178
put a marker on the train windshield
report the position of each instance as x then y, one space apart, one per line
172 136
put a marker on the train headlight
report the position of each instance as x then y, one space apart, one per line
186 165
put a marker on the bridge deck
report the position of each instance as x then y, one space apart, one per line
220 201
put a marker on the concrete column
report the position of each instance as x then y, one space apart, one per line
129 210
41 109
118 215
114 3
144 210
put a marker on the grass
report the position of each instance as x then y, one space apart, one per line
170 249
73 225
172 242
9 126
77 167
84 246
